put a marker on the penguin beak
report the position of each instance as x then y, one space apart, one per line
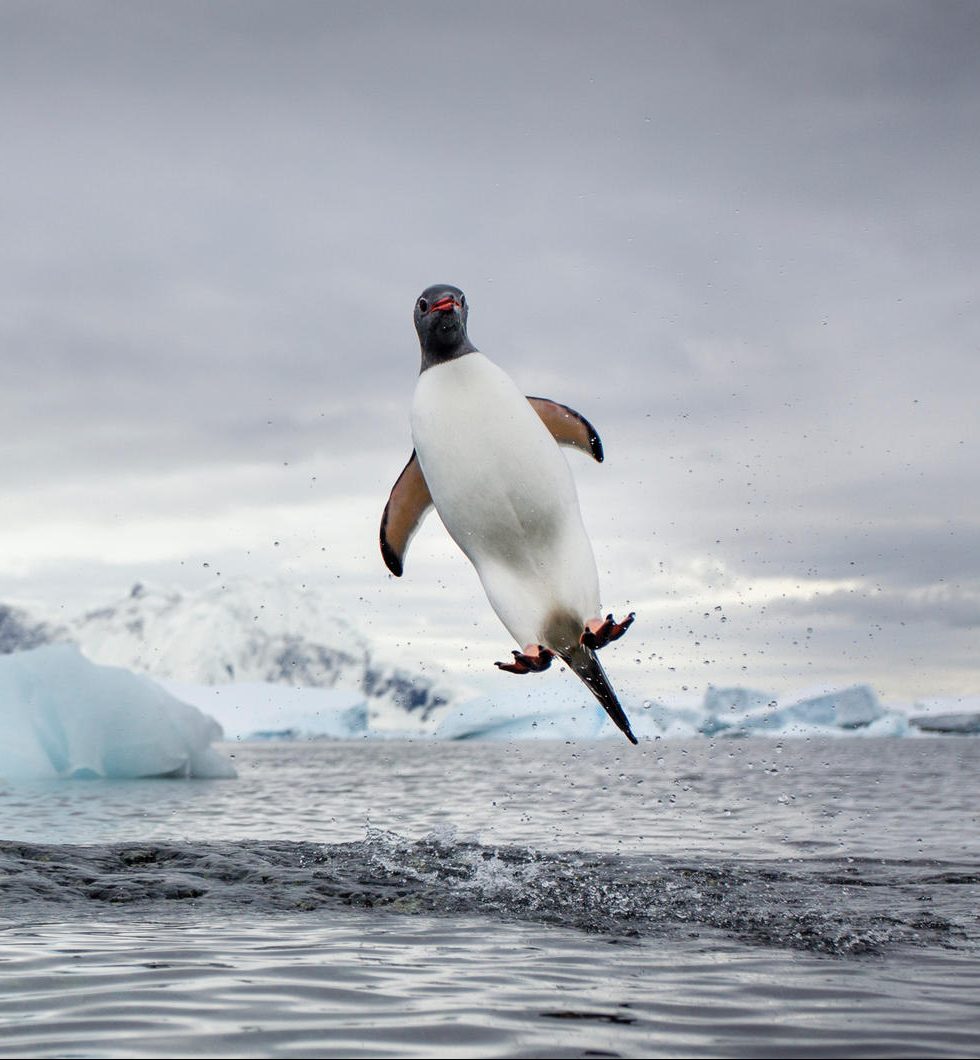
445 305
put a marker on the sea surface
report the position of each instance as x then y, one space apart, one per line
736 898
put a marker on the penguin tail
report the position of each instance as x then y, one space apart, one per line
583 661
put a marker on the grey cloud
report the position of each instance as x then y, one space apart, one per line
742 238
954 606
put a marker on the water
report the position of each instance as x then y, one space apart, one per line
737 898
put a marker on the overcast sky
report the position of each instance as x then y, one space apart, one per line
743 238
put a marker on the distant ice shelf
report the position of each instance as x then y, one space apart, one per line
63 716
732 712
277 660
553 710
556 710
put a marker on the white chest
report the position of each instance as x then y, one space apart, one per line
492 467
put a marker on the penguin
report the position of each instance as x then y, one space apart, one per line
487 458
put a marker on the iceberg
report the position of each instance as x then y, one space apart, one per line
734 709
948 724
949 716
737 711
726 712
849 709
655 721
63 716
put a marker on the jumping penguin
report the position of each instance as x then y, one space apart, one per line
487 458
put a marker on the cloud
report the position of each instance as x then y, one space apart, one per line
955 606
742 239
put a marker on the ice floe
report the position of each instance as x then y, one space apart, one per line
63 716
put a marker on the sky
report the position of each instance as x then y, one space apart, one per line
742 238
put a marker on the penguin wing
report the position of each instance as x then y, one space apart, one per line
407 506
568 427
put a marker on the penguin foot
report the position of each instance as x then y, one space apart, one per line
599 632
534 659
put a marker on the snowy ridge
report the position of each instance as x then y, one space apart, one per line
268 632
276 660
20 632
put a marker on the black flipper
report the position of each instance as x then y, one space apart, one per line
568 427
407 506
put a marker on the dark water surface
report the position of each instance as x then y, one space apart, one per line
750 898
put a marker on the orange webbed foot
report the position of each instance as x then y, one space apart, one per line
532 660
599 632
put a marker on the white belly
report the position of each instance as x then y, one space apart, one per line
504 491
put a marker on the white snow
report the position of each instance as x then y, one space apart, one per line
61 715
272 659
557 712
549 710
235 632
269 631
274 656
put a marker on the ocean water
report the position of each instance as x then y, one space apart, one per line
752 897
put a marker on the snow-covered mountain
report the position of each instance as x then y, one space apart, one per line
20 632
232 650
267 631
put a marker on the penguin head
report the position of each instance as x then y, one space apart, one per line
440 320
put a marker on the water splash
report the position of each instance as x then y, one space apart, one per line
841 907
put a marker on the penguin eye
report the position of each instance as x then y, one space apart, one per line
423 305
462 301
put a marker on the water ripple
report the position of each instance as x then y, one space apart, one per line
834 906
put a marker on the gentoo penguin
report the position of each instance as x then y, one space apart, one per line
487 458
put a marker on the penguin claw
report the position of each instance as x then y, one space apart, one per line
598 632
533 659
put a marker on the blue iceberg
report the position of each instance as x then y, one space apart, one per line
63 716
847 711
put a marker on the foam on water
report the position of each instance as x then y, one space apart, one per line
830 906
712 898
